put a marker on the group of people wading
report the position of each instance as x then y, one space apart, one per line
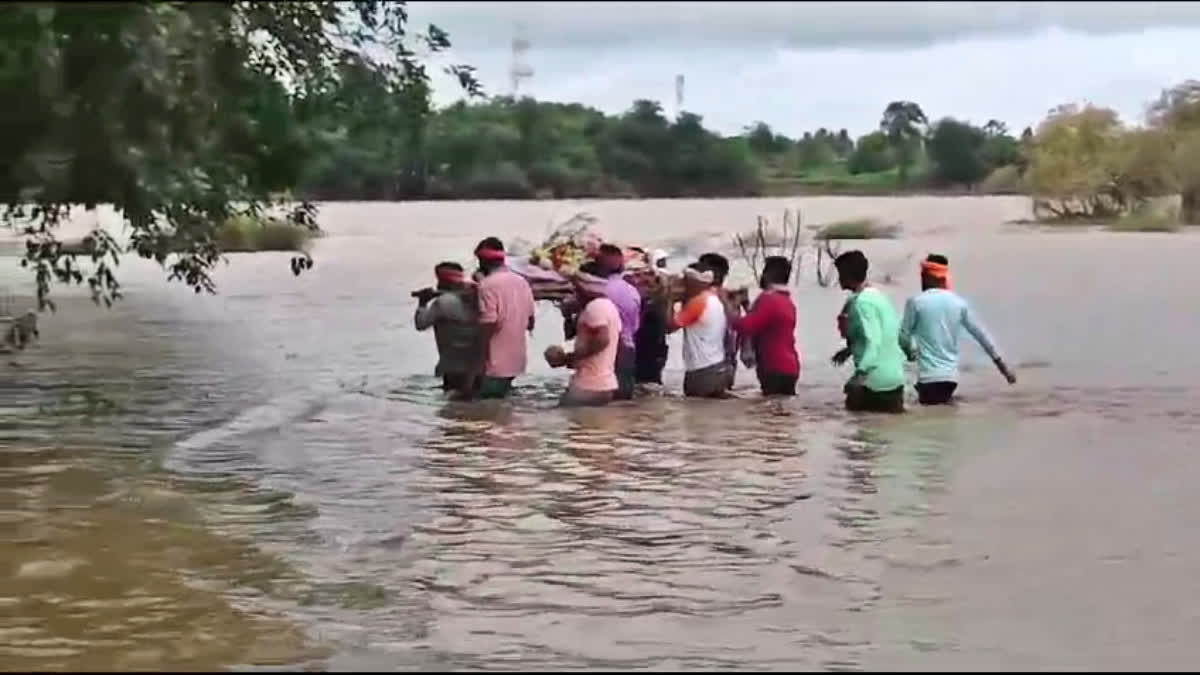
620 331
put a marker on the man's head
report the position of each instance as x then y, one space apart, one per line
852 269
450 276
697 278
719 265
611 259
490 253
935 272
589 281
777 271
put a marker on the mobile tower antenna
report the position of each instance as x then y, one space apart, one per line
520 69
678 95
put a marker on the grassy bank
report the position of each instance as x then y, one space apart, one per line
837 181
1143 219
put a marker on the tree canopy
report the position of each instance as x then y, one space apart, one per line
904 124
180 115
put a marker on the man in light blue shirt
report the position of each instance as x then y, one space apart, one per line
930 330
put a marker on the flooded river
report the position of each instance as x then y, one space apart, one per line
269 478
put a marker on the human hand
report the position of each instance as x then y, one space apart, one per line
1008 374
841 356
556 356
425 295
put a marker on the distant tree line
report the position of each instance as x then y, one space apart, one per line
183 116
514 149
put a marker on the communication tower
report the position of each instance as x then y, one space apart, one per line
520 70
678 95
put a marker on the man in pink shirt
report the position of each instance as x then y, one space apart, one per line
506 309
597 338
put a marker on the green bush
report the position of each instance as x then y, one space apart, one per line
243 234
1147 219
1006 180
862 228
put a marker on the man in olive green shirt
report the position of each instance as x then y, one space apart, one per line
874 335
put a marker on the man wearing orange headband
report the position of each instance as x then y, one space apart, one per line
930 329
451 310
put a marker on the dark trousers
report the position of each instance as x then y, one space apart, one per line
774 384
495 387
626 368
460 383
650 370
710 382
935 393
577 398
861 399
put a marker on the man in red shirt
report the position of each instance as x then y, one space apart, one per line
771 326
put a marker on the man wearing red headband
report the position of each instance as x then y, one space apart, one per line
506 309
930 329
452 312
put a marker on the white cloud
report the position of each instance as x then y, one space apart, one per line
1009 61
793 24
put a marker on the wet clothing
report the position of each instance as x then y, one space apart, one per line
874 334
935 393
626 372
708 382
579 398
732 313
495 387
771 326
650 348
597 372
933 322
862 399
774 384
460 382
506 301
704 324
455 322
629 306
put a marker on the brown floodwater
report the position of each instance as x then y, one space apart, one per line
268 478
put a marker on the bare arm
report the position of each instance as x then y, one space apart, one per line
597 342
907 325
426 315
975 327
690 313
489 318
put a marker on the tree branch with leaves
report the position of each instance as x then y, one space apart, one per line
179 115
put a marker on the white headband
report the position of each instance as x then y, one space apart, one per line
702 277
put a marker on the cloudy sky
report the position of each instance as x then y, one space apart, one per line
799 66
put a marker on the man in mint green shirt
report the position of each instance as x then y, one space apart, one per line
930 330
874 335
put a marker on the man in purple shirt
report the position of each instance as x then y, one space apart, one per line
629 307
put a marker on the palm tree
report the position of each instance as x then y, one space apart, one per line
904 124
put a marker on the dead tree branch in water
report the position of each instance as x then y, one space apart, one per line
755 247
825 271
